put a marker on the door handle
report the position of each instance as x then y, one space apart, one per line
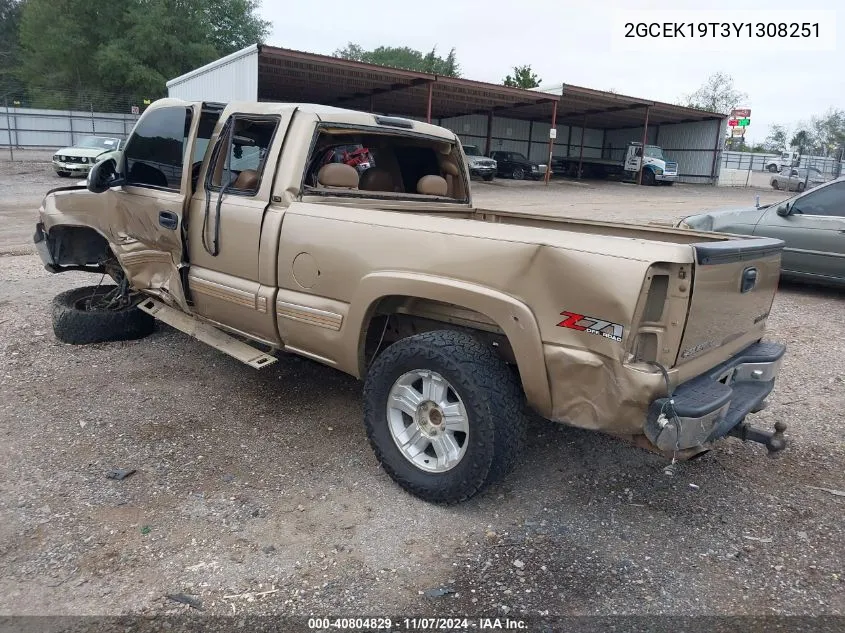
168 220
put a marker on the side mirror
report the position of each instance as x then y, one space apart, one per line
784 210
103 175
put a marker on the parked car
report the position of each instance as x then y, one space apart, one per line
515 165
479 164
78 159
797 179
456 317
812 224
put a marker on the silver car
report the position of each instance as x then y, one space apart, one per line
797 179
811 223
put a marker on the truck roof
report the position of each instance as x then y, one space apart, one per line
328 114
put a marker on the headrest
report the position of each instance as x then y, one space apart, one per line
338 175
246 180
432 186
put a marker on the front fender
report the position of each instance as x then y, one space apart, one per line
514 318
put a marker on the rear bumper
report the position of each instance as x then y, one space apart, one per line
43 248
711 405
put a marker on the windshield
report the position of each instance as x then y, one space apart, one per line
97 142
471 150
652 151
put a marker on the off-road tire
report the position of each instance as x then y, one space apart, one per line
493 400
73 324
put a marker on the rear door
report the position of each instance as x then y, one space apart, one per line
814 232
146 212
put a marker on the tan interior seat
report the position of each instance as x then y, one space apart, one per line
338 175
452 173
432 185
247 180
377 179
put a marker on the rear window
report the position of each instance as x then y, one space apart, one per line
366 163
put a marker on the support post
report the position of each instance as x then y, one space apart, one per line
372 104
428 107
548 174
70 120
581 151
642 147
93 126
568 140
489 133
713 177
9 130
530 133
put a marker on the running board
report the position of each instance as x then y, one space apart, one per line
207 334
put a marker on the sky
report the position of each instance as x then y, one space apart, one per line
583 43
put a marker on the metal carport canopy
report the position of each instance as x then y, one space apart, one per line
296 76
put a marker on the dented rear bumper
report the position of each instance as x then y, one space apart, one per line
711 405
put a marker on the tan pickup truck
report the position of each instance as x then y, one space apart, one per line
245 226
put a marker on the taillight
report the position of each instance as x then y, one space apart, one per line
661 314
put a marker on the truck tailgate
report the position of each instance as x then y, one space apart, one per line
734 284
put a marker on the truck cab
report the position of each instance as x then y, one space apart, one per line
656 167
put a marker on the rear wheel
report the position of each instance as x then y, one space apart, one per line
518 173
444 415
97 314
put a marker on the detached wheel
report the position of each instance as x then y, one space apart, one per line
96 314
444 415
518 173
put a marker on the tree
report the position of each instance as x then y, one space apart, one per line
403 57
10 17
828 132
717 94
522 77
803 140
776 140
110 53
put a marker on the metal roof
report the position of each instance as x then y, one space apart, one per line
296 76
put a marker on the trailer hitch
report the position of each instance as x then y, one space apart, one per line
774 441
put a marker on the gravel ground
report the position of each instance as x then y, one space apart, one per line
257 493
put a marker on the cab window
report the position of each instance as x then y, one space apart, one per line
154 154
241 154
366 163
829 200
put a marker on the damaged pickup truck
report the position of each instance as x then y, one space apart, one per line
228 223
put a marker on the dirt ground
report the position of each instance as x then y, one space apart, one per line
257 493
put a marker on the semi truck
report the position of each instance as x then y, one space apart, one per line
657 169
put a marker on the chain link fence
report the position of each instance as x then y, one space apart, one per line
753 169
31 128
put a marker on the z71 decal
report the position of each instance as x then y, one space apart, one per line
592 325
